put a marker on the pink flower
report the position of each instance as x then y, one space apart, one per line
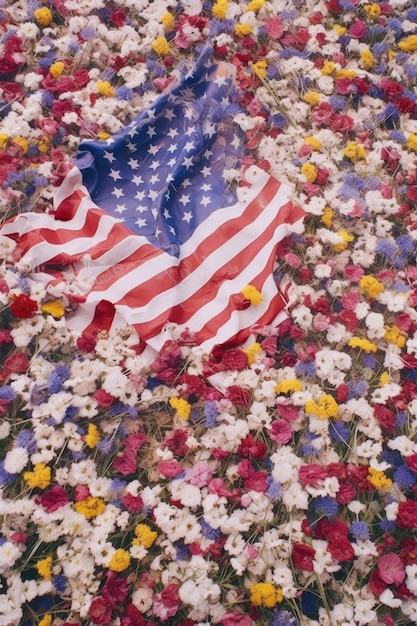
354 273
358 29
274 27
391 568
280 431
235 618
170 469
199 475
54 498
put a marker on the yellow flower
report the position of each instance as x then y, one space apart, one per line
93 436
346 73
259 69
90 507
412 142
313 142
328 68
43 16
327 217
119 561
312 98
347 238
325 408
56 69
181 406
265 594
168 21
22 142
409 44
367 59
288 386
144 536
161 46
220 9
44 144
372 10
102 135
394 335
4 138
54 308
243 29
251 352
363 344
255 5
104 88
339 29
46 620
354 151
44 568
40 477
309 171
251 293
384 379
370 287
378 479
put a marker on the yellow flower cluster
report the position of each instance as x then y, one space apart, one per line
384 379
220 9
412 142
22 142
251 352
346 73
328 68
243 29
168 21
161 46
40 477
363 344
378 479
91 507
119 561
56 69
181 406
394 335
354 151
43 16
313 142
93 436
44 144
288 386
44 567
327 217
309 172
144 536
255 5
251 293
367 59
4 138
347 238
409 44
372 10
46 620
265 594
259 69
104 88
370 287
325 408
312 98
341 30
54 308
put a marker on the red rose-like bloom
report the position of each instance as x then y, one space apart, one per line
126 463
407 514
341 550
132 503
250 447
238 395
133 617
170 469
23 307
411 462
302 556
115 589
391 568
258 481
16 363
176 441
235 360
54 498
100 611
235 619
312 474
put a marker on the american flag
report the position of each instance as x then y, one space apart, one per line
151 217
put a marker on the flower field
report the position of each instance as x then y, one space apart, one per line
268 484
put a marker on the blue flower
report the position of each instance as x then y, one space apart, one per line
325 505
283 618
404 477
339 431
7 393
5 477
210 411
359 530
26 439
387 247
274 488
60 583
208 531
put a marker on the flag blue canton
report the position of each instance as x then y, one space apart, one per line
164 174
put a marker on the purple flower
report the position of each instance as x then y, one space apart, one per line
359 530
325 505
404 478
25 439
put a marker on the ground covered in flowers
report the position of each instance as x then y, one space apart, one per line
271 484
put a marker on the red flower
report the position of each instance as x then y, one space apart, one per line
176 441
234 360
115 589
280 431
250 447
132 503
16 363
126 463
23 307
103 398
100 611
391 568
132 617
341 550
257 481
312 474
408 551
169 469
54 498
407 514
238 395
303 556
118 17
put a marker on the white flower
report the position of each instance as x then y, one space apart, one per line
15 460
